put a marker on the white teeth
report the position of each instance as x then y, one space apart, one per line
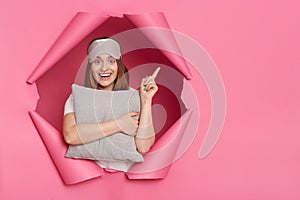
105 75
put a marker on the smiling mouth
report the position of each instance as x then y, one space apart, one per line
104 75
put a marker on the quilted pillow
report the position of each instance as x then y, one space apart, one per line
92 106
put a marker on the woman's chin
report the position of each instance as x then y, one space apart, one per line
104 85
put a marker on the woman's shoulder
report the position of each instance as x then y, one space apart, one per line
132 89
69 107
70 97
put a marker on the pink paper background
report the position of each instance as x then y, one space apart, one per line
256 48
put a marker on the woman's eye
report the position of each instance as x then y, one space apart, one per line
97 62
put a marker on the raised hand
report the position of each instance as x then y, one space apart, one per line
148 87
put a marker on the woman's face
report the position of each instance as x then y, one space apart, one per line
105 71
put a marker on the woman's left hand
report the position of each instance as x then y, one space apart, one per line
148 88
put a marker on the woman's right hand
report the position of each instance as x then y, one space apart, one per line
128 123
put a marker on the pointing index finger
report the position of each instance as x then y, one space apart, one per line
153 76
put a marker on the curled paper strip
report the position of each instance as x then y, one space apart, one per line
158 160
71 170
84 23
81 25
163 41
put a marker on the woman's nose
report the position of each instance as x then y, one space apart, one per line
104 66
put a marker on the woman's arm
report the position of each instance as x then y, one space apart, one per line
75 134
145 136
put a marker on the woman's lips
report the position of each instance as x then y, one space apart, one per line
104 76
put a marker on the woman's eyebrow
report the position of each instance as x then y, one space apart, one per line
107 57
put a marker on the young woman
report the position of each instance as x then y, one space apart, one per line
106 71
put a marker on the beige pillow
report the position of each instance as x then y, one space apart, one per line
91 105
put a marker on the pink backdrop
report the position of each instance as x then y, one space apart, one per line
256 48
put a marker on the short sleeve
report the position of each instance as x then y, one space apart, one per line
69 105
